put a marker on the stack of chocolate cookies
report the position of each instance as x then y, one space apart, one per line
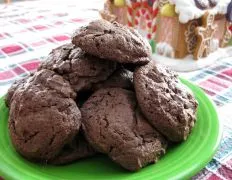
100 94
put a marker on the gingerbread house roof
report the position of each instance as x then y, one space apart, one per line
194 9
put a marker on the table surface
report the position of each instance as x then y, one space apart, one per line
30 29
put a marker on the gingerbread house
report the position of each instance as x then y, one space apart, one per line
176 28
138 14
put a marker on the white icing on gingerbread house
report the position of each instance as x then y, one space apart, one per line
175 27
188 10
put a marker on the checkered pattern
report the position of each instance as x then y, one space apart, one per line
30 29
220 168
216 80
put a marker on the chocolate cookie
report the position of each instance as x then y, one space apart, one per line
80 69
10 93
113 125
121 78
43 116
79 148
168 106
113 41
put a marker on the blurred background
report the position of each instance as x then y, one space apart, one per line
8 1
30 29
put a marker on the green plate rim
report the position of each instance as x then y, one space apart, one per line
194 171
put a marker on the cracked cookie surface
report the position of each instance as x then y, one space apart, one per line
43 116
10 93
165 102
113 41
80 69
113 125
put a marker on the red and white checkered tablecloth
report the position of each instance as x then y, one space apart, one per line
30 29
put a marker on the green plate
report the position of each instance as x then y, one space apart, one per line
181 161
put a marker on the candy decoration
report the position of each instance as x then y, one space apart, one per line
143 19
168 10
119 3
155 9
143 14
213 3
150 2
229 12
227 35
202 4
129 13
204 36
162 3
190 36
